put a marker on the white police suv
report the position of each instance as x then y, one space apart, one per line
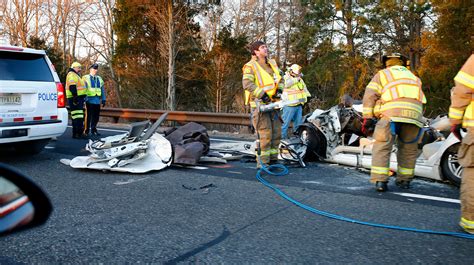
32 100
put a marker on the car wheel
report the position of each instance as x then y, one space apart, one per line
31 147
315 141
450 166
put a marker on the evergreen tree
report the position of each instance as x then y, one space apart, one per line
447 48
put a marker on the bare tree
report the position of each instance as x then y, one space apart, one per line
98 34
171 97
212 22
17 16
165 16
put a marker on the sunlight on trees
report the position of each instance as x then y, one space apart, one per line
188 55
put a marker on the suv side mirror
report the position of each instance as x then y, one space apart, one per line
23 204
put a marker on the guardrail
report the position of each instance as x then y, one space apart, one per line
179 116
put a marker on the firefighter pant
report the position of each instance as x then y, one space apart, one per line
291 114
92 118
77 115
406 152
466 159
268 127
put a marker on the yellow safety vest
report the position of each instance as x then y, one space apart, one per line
401 96
296 93
74 79
93 86
263 80
466 115
399 82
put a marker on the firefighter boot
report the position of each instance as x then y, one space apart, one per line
381 186
403 184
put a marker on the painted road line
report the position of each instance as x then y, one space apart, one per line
426 197
311 182
234 172
410 195
129 181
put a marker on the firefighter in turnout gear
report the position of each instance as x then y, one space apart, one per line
261 81
76 94
295 90
95 97
461 115
395 97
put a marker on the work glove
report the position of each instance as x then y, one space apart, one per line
367 125
266 99
103 103
456 131
74 101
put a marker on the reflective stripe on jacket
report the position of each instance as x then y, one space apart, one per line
462 98
73 78
398 82
295 90
396 93
93 85
264 82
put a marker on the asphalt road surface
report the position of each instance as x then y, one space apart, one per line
220 213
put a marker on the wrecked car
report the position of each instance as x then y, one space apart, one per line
335 136
138 151
144 149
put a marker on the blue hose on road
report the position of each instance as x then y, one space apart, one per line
281 170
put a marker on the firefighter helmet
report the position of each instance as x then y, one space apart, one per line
76 65
295 69
386 57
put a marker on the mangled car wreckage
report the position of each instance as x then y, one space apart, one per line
332 135
335 136
143 149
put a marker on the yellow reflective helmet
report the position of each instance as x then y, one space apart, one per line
295 69
76 64
399 56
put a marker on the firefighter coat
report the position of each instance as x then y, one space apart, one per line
257 81
462 99
395 92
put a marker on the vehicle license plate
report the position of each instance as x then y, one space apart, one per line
10 99
14 133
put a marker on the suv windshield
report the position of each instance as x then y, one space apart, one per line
24 67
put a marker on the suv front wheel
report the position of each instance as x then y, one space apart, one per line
31 147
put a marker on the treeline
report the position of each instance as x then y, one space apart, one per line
187 55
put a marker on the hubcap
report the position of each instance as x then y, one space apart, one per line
304 136
453 165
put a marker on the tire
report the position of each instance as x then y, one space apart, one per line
315 141
31 147
450 167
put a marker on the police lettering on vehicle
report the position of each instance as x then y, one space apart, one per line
47 96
